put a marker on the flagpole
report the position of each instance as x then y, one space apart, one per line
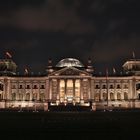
134 58
26 72
8 55
114 71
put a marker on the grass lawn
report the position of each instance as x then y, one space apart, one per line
70 125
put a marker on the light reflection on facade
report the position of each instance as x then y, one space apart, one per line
70 82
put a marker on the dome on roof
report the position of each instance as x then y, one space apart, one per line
7 66
69 62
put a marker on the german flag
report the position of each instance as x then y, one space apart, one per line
8 55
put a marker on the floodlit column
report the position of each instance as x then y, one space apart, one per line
37 91
89 91
92 89
24 89
134 89
5 89
50 93
130 92
81 89
122 93
58 89
8 90
65 89
62 85
47 90
74 87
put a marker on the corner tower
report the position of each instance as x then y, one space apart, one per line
7 67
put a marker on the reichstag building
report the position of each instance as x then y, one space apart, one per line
69 83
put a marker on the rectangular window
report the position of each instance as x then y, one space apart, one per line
35 87
20 86
28 86
97 87
42 87
13 86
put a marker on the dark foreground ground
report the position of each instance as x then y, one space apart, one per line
70 125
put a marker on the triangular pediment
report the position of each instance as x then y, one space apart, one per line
70 71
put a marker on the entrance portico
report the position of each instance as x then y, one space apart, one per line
66 88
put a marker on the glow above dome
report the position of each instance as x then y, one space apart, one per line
69 62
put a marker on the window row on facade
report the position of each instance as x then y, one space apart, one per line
111 86
111 96
27 96
20 86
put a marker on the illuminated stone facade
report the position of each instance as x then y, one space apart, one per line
70 82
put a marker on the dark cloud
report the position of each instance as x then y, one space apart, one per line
51 16
35 30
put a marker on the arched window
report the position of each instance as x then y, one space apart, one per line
125 96
0 96
42 97
34 96
13 96
104 96
1 87
139 96
138 86
111 96
118 96
96 97
27 97
20 96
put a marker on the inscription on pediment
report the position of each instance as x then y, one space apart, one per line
70 72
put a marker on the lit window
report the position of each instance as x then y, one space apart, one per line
118 96
105 96
125 96
20 96
111 96
42 97
27 97
34 96
13 96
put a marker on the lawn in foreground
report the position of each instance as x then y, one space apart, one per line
70 125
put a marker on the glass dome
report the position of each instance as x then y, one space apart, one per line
69 62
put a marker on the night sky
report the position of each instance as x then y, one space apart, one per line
107 31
